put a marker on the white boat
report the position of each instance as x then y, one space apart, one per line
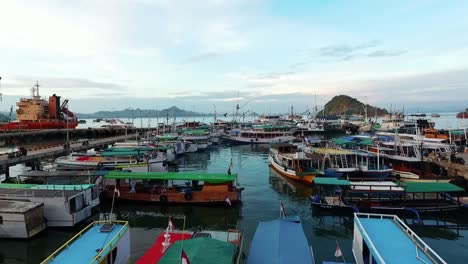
191 147
260 135
21 219
199 136
100 242
288 161
310 125
391 123
64 205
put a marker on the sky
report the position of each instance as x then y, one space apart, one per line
207 54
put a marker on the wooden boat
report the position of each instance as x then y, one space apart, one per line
20 219
64 205
100 242
380 238
173 187
202 246
385 196
332 162
291 163
280 241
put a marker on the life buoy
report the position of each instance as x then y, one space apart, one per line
188 196
163 199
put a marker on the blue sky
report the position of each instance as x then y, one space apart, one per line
267 55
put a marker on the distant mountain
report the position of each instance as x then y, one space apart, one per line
136 113
346 105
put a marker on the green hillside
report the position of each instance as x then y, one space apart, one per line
346 105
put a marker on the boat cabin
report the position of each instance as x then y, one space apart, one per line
20 219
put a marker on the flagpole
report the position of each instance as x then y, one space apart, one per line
342 255
182 244
113 198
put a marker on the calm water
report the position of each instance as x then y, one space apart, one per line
263 191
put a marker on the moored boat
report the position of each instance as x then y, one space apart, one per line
100 242
173 187
380 238
288 161
200 137
260 135
463 114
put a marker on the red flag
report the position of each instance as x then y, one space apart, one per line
282 209
228 201
171 225
184 259
338 251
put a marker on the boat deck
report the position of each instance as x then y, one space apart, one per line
86 247
389 238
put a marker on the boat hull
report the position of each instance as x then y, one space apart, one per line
59 124
306 178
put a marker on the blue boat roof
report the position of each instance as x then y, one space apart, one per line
391 241
85 247
279 241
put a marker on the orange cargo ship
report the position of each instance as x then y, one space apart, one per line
37 113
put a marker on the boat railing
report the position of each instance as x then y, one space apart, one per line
420 244
97 258
75 237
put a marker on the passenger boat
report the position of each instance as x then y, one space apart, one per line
64 205
381 238
280 241
288 161
37 113
391 123
201 246
138 159
260 135
21 219
333 162
372 165
172 140
173 187
463 114
200 137
100 242
385 196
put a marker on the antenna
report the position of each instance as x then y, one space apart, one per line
1 94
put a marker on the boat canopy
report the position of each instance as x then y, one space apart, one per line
193 176
431 187
331 151
331 181
195 132
201 250
125 149
279 241
121 153
45 186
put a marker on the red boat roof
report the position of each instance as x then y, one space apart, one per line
155 253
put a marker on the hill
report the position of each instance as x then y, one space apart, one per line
136 113
346 105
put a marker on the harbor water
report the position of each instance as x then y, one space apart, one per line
446 233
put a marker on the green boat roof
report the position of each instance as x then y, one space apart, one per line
121 153
45 186
201 250
428 187
195 131
330 181
367 142
123 149
194 176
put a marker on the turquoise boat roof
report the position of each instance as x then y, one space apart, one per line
121 153
45 186
194 176
86 245
331 181
201 250
431 187
387 238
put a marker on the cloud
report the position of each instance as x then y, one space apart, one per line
202 57
386 53
61 83
346 51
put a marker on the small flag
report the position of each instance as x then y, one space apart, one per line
228 201
184 259
338 250
230 167
116 190
171 225
283 211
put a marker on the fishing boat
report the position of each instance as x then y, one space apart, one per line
381 238
386 196
21 219
200 246
37 113
288 161
463 114
100 242
173 187
280 241
200 137
64 205
260 135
